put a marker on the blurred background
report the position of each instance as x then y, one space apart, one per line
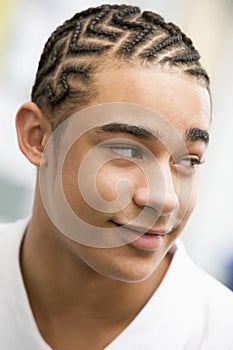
25 25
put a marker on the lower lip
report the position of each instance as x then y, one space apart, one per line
148 242
144 241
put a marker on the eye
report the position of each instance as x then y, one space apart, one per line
189 162
127 151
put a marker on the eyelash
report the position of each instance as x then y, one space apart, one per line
138 153
194 161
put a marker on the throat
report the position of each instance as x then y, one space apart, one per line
70 301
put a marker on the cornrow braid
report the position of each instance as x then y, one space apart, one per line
85 49
93 27
188 57
163 45
87 42
143 30
63 85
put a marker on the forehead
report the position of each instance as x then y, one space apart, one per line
180 99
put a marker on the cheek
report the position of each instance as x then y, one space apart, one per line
187 194
193 199
106 184
71 188
112 183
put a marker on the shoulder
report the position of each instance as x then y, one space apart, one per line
210 303
13 227
11 235
215 304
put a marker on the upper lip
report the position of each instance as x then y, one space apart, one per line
141 229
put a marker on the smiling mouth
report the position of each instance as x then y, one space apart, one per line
140 230
142 238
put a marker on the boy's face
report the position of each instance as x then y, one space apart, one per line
135 168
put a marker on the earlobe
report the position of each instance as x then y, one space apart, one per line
33 132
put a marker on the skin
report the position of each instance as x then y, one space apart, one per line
54 267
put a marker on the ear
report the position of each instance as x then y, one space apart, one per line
33 131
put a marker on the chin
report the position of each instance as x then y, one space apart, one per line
134 278
131 271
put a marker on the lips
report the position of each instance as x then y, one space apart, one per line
140 238
160 232
143 230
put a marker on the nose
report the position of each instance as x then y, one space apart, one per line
157 191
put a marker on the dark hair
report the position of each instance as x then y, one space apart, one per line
92 39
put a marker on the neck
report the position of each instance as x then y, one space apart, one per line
63 289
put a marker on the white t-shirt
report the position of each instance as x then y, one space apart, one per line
190 310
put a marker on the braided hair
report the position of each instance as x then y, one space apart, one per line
84 44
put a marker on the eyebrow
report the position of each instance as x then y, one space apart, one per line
145 133
140 132
196 134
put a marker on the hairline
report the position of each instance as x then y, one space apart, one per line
103 64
